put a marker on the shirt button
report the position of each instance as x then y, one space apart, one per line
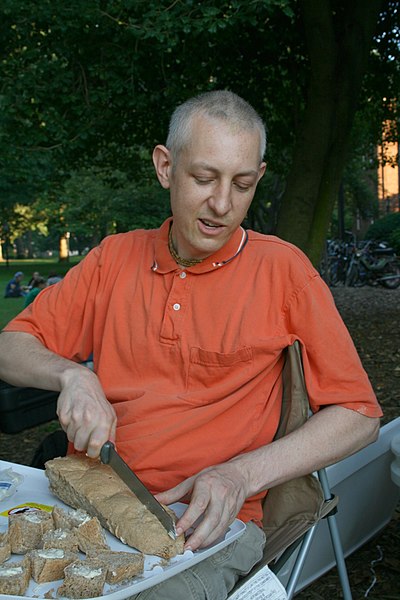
177 306
182 275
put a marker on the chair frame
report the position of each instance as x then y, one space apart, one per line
294 530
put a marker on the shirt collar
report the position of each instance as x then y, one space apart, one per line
164 263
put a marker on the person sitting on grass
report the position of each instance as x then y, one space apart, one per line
33 279
13 287
38 285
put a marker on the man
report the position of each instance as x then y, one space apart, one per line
13 287
187 325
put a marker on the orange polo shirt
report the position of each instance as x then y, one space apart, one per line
191 359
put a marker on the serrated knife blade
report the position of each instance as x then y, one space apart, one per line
109 456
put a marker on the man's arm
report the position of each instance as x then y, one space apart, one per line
83 410
217 493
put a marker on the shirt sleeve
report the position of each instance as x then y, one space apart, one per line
62 316
332 366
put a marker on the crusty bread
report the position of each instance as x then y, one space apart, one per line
5 547
83 579
121 565
26 530
48 564
64 539
85 483
14 577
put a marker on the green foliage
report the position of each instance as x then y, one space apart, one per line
88 88
394 240
380 99
386 229
360 190
97 202
85 83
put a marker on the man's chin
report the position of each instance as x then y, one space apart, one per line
205 251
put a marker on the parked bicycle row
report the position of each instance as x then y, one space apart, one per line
364 263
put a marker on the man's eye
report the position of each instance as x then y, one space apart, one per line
242 187
202 180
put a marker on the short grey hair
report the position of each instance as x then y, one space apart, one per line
219 104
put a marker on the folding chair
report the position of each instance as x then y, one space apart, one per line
293 510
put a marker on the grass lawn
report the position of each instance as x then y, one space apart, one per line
9 307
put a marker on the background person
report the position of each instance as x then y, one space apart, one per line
33 279
14 288
53 278
38 285
188 325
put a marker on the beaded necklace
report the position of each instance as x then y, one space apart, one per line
185 262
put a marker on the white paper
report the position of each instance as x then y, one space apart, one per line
264 585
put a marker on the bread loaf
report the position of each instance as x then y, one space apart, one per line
85 483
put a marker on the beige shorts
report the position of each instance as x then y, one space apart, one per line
214 577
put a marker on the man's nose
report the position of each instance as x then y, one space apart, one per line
220 200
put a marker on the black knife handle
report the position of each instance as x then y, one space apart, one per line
106 451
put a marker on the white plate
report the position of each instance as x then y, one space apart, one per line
35 489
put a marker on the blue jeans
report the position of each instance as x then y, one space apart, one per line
214 577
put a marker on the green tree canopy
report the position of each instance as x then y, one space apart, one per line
88 88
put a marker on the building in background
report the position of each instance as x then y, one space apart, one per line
388 171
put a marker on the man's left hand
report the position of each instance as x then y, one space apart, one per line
216 496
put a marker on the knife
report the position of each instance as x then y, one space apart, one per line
109 456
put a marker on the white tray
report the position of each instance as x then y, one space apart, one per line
35 489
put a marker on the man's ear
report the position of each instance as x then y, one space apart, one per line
162 164
261 171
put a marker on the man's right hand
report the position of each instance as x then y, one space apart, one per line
84 412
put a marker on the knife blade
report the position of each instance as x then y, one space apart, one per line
109 456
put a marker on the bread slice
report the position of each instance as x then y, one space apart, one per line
121 566
85 483
90 535
48 564
5 547
64 539
26 530
83 579
68 519
14 577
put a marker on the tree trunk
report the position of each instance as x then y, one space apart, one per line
338 36
29 249
63 252
20 247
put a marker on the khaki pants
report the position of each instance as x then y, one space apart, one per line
214 577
